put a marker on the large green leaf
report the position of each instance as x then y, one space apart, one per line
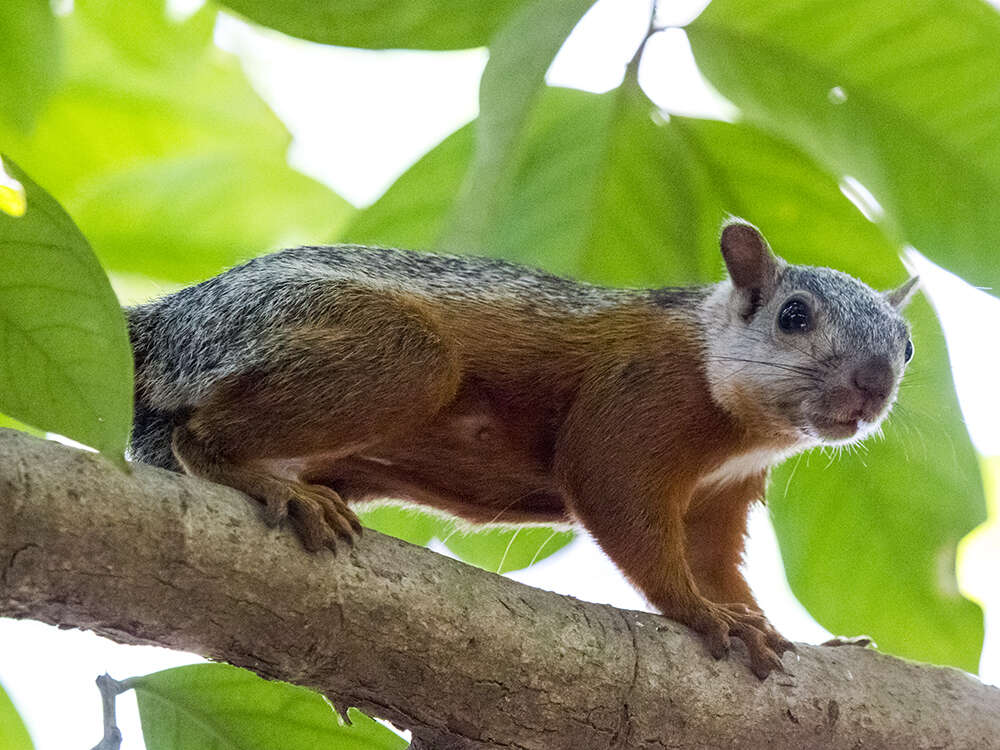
191 199
30 58
501 550
65 359
903 95
413 211
495 548
13 735
383 24
405 522
217 706
514 77
605 190
159 147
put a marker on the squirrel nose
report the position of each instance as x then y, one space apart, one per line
874 378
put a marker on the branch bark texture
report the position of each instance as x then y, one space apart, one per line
464 658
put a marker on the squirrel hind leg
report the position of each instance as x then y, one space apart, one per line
378 369
320 516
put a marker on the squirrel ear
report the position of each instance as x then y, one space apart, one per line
751 264
902 294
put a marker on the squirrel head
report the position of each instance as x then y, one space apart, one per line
809 355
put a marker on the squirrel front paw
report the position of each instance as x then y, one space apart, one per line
320 516
765 645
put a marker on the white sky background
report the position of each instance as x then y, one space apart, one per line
359 120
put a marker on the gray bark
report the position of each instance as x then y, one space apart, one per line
464 658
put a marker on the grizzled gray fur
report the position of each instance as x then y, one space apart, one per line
185 342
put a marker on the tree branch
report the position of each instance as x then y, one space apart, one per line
464 658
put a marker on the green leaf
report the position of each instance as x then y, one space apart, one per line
383 24
749 172
193 198
65 359
12 424
160 148
216 706
869 545
13 734
609 191
412 212
902 95
30 59
501 550
512 81
596 194
405 522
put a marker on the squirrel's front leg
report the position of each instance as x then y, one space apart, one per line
715 526
632 498
647 543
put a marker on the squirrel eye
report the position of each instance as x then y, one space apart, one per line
908 353
795 317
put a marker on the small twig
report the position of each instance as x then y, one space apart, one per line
632 69
110 688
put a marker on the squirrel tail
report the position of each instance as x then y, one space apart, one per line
152 432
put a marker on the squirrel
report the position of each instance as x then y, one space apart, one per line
317 377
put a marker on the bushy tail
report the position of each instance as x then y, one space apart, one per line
152 431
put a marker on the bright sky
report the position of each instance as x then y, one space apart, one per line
359 119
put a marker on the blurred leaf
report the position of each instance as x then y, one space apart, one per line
192 198
608 190
413 210
520 55
979 551
13 735
903 95
65 359
405 522
548 202
501 550
205 706
12 201
869 544
160 147
598 194
30 59
383 24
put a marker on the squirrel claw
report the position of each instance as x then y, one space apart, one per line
320 515
717 640
764 644
780 644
